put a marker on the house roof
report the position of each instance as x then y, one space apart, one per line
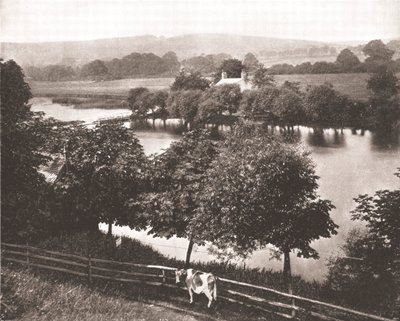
229 81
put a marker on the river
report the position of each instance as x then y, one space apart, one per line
348 163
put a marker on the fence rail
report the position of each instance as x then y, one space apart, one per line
249 295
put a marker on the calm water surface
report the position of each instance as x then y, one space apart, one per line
348 163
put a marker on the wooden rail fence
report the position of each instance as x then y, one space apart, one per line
253 296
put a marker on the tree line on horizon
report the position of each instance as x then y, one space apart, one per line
138 65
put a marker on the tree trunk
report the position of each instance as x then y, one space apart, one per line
189 252
287 272
109 233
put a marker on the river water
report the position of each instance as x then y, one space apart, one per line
348 163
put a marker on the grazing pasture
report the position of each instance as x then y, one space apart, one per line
352 84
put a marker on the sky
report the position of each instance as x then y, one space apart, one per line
324 20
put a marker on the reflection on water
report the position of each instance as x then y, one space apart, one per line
348 162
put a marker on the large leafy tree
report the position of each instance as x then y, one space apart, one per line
263 78
324 105
259 102
347 60
250 62
184 104
218 100
232 67
23 139
288 107
190 81
178 178
95 69
106 170
263 191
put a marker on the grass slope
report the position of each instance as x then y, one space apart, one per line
27 296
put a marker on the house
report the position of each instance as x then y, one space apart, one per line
243 82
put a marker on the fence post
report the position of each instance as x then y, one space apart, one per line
293 308
90 269
163 276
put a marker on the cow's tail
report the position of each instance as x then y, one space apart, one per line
215 289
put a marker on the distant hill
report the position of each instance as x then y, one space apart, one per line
80 52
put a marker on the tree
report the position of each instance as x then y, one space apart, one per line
106 171
232 67
289 107
23 137
96 69
347 60
362 276
259 102
383 83
377 52
381 213
263 191
184 104
178 177
262 78
171 62
250 62
136 101
219 99
374 279
324 105
191 81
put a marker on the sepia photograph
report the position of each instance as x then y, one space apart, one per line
195 160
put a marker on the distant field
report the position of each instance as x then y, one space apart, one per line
353 85
113 88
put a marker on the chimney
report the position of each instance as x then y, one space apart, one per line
224 75
243 75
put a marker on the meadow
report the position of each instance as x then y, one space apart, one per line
352 84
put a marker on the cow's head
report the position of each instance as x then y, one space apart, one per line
178 274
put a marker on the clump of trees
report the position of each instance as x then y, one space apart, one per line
367 276
376 51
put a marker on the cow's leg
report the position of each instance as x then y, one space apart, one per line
191 294
209 296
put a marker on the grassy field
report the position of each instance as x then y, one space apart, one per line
353 85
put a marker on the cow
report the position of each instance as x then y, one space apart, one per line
199 282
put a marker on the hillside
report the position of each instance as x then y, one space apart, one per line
79 52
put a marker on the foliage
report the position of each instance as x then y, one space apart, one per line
325 105
288 107
377 52
204 64
262 78
24 135
177 179
360 276
51 73
347 60
137 101
217 100
250 62
262 191
259 101
191 81
381 212
383 83
184 104
95 69
232 67
375 280
106 169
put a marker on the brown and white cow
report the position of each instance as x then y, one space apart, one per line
199 282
